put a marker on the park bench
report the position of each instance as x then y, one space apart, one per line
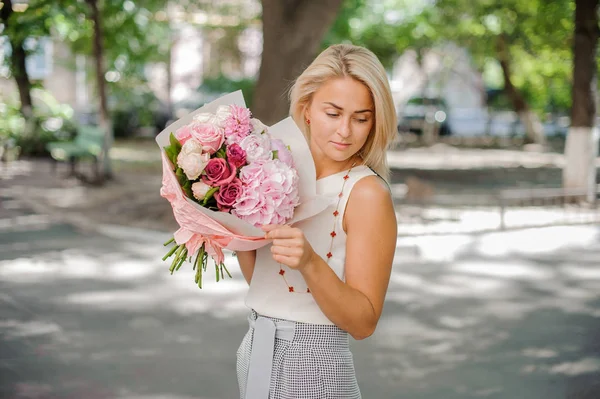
86 145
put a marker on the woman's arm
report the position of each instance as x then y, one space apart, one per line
356 305
247 259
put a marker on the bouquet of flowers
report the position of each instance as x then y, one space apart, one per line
225 174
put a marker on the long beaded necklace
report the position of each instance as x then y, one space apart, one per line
333 234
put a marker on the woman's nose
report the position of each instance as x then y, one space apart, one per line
344 127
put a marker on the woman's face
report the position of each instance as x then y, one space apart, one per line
341 116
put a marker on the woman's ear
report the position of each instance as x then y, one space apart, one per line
306 114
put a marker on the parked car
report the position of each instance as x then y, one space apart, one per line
420 110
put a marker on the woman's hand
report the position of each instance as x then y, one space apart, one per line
290 247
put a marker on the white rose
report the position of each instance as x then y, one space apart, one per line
192 146
199 189
192 163
206 117
257 126
223 112
256 147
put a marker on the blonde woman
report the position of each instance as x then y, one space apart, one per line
325 279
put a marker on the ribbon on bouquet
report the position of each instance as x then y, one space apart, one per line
193 242
197 228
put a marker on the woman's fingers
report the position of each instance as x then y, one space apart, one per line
269 227
289 261
283 232
287 242
287 251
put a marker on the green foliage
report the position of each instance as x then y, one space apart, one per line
184 182
223 84
52 121
173 149
133 108
538 36
538 33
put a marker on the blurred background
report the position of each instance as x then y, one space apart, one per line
495 291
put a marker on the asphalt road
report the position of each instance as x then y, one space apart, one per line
95 314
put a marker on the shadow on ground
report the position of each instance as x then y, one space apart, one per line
504 315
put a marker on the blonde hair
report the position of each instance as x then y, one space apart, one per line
359 63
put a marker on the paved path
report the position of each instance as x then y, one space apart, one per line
88 309
95 314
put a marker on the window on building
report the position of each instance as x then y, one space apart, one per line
39 59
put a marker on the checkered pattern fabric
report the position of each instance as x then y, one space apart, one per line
316 364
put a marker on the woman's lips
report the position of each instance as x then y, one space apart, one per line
341 146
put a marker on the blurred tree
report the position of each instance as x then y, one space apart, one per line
104 122
122 38
292 33
531 50
17 57
581 148
525 41
32 16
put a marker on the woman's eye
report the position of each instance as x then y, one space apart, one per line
362 120
332 115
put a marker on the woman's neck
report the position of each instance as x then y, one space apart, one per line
325 169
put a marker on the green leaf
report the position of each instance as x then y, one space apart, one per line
275 154
222 153
171 154
181 177
175 143
187 189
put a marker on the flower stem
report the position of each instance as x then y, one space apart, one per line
170 252
182 258
168 242
227 271
177 254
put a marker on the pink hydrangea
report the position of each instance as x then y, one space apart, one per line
237 125
270 193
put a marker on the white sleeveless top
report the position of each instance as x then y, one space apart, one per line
269 293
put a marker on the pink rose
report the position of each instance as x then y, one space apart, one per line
283 153
218 172
183 134
228 195
236 155
209 135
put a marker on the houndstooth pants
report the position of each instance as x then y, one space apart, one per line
309 361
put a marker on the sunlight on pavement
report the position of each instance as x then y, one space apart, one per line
16 328
583 366
515 270
428 219
445 248
539 240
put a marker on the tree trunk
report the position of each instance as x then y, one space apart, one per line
104 121
292 34
533 127
17 63
581 148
